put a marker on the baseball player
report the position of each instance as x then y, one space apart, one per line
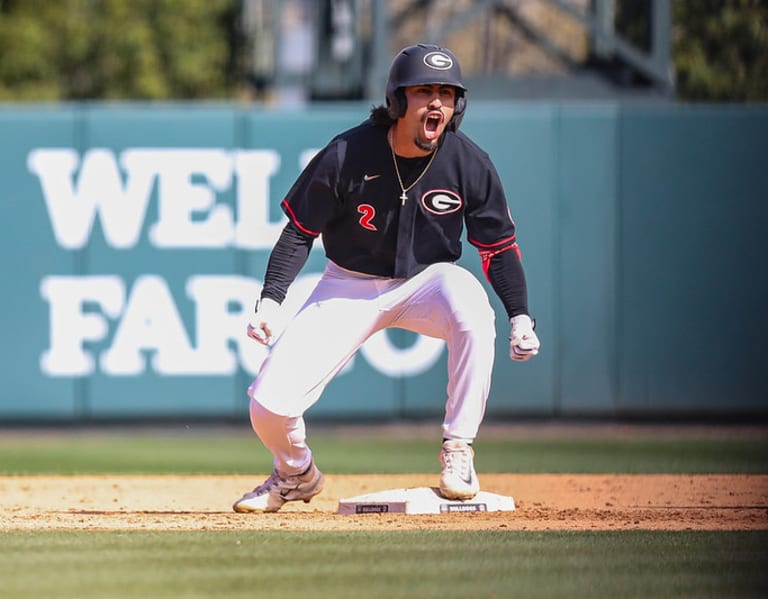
391 198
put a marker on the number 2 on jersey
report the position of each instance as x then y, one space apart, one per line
368 212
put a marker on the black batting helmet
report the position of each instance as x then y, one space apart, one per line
424 64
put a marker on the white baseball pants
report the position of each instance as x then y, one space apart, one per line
444 301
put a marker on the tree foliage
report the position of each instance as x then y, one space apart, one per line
721 50
719 47
113 49
194 49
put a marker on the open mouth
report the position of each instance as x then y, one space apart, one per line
432 124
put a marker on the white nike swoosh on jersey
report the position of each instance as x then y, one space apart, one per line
370 177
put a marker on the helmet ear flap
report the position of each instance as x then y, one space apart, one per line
458 112
397 104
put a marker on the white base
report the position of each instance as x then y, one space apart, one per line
423 500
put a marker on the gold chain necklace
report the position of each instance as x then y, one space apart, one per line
404 195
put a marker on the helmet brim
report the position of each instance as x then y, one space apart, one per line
430 81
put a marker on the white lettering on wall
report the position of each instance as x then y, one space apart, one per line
140 329
188 183
255 225
71 326
149 323
188 215
72 207
205 198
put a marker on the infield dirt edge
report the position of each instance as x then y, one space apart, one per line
544 502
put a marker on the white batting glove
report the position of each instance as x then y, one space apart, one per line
523 342
262 325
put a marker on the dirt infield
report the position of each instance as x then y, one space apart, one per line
544 502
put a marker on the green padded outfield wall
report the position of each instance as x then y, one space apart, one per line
134 238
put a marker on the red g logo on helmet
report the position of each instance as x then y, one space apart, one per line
441 201
438 61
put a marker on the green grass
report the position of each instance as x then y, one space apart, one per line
393 564
359 452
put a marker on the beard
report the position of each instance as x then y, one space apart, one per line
427 146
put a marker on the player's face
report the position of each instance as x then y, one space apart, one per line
430 108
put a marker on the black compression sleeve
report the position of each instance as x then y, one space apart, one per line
505 272
286 260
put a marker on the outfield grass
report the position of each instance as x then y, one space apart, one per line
418 564
359 453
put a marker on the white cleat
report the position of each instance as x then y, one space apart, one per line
277 490
458 479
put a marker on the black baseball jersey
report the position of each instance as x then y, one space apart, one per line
350 194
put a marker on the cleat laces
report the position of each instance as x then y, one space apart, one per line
458 460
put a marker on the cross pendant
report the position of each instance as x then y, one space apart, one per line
403 197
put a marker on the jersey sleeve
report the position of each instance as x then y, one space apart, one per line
313 201
489 223
491 229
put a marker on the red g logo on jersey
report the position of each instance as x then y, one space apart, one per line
441 201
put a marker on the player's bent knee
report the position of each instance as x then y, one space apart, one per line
261 415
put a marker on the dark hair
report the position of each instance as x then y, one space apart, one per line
380 116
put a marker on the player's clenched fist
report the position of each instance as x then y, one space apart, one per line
262 325
523 342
